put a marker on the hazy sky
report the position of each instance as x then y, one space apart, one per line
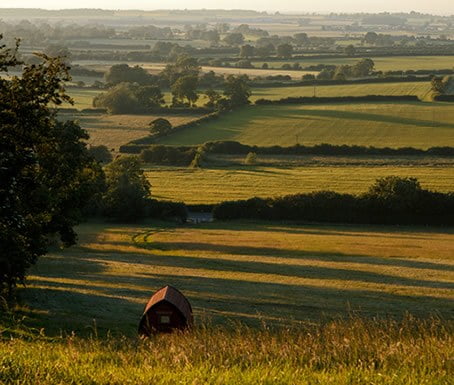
432 6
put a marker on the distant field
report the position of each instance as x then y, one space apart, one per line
251 272
82 97
420 89
420 125
388 63
116 130
212 185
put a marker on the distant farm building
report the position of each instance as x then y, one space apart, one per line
167 310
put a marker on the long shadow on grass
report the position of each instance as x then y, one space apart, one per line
290 270
218 298
347 115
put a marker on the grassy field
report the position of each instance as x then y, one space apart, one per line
276 273
357 352
420 89
213 185
116 130
390 63
420 125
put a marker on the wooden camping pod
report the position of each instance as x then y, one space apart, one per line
167 310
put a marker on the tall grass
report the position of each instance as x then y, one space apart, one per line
354 351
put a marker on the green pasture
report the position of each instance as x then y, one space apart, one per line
213 185
420 89
420 125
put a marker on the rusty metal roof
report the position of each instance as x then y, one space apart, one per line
173 296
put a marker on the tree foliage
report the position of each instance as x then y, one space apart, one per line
46 173
160 126
120 73
127 98
128 190
237 90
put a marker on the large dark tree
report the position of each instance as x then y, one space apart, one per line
46 173
128 191
237 90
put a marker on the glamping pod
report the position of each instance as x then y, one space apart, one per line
167 310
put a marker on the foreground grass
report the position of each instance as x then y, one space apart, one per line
419 125
213 185
341 352
281 274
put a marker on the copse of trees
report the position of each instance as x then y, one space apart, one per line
234 39
237 90
46 173
127 98
123 73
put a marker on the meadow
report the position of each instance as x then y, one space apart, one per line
254 273
217 184
274 303
420 89
354 352
420 125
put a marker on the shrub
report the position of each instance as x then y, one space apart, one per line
251 158
100 154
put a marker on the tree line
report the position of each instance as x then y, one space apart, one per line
391 200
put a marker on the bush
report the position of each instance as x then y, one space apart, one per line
160 126
167 155
251 158
100 154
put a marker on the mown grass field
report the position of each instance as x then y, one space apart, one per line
213 185
116 130
420 89
277 273
420 125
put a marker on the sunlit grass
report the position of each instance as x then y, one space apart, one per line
212 185
283 274
419 125
341 352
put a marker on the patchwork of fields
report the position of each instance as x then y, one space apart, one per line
420 125
83 97
261 272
